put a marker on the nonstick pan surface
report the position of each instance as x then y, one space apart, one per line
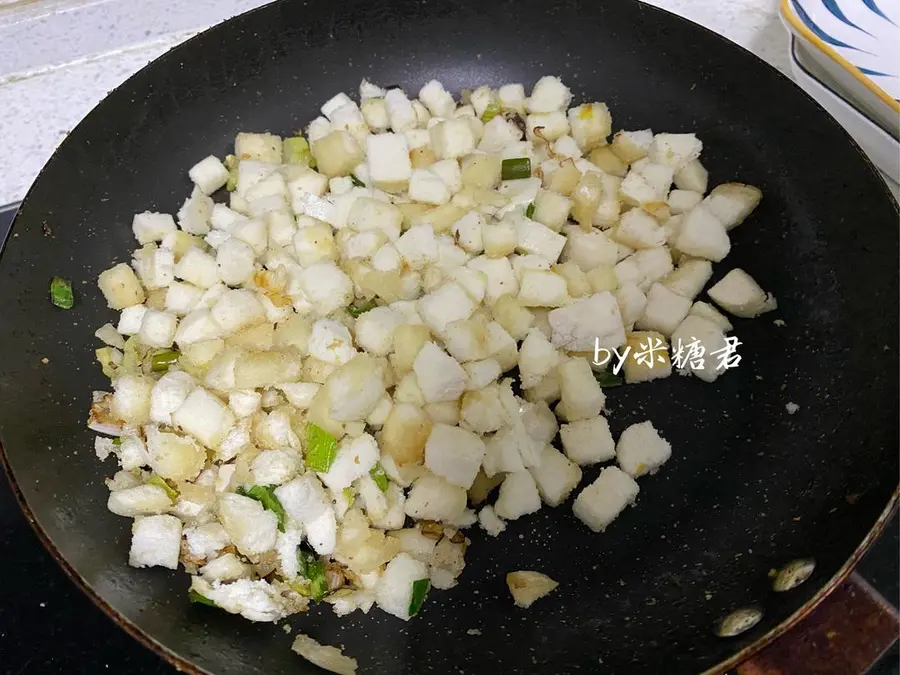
749 486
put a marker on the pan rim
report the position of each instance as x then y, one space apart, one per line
183 665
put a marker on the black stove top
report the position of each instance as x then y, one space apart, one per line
49 626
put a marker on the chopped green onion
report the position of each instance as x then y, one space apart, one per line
358 310
194 596
265 495
313 569
492 110
321 448
379 476
231 163
61 293
109 360
117 440
356 181
529 210
419 591
160 362
296 151
607 379
515 168
301 587
349 495
159 481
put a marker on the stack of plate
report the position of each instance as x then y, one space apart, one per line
846 55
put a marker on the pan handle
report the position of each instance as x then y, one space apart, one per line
845 635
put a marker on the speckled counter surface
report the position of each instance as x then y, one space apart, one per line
59 58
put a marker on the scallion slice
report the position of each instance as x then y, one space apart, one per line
296 151
159 481
356 181
61 293
195 597
515 168
490 112
160 362
321 448
313 569
380 477
265 495
529 210
419 592
607 379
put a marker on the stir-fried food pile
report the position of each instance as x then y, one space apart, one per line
351 345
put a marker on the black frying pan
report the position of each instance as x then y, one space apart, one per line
749 486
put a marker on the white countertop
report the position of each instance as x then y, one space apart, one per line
59 58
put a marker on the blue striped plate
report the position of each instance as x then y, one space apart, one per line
860 36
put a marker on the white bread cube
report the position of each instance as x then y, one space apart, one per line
631 301
157 328
139 500
546 127
665 310
482 411
443 412
335 103
556 476
209 174
326 286
273 467
204 417
314 244
653 264
630 146
368 214
198 326
539 288
438 101
689 278
150 227
580 392
244 403
337 153
374 330
262 147
603 500
448 171
235 260
534 237
490 522
349 117
121 287
674 150
440 377
499 239
155 542
591 124
198 268
501 453
418 246
131 400
638 229
452 138
374 111
539 421
512 97
738 294
355 389
251 528
588 250
467 232
193 216
182 297
481 373
518 497
318 128
648 357
692 176
454 454
501 279
386 259
552 209
501 346
710 313
586 322
709 336
549 94
427 187
393 593
155 267
467 339
537 358
237 309
355 458
499 134
733 202
566 146
433 498
681 201
588 441
602 278
514 318
400 110
304 499
330 342
641 450
445 305
702 235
